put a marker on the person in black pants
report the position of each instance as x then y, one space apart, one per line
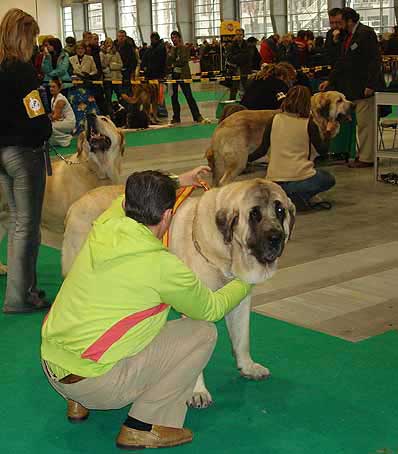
23 132
178 60
126 49
154 65
98 90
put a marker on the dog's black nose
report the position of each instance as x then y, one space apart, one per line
275 239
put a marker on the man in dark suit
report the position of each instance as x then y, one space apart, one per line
358 75
239 60
334 36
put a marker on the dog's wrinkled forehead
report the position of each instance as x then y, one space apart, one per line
263 194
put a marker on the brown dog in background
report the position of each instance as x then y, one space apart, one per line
145 96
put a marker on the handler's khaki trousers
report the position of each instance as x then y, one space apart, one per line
365 128
159 380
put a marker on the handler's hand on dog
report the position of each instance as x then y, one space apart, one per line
192 178
324 85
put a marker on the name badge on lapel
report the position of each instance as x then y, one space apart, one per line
354 46
33 104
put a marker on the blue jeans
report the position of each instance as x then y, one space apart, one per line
23 181
305 189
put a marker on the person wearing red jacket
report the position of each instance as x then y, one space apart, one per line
269 49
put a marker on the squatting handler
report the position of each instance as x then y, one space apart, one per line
107 343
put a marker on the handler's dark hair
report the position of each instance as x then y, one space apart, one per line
148 195
349 13
175 33
298 101
334 12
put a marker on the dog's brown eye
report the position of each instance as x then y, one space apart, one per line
280 210
255 214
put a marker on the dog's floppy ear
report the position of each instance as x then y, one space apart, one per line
288 225
122 143
82 144
226 220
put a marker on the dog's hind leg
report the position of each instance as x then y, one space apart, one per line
238 324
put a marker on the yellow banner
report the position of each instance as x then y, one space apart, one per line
229 27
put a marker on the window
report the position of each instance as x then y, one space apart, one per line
128 19
95 19
308 15
67 21
207 18
378 14
164 17
255 18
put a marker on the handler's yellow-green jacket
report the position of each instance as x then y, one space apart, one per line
116 298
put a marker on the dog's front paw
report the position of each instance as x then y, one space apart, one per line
201 399
255 371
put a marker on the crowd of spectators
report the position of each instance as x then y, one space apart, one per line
121 60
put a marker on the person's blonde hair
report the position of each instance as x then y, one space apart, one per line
18 31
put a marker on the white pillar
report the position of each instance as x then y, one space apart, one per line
229 10
278 10
110 14
185 23
336 4
144 13
78 18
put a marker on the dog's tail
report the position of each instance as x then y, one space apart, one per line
230 109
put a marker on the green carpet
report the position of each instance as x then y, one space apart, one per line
156 136
200 96
326 396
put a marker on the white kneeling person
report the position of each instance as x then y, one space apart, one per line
62 116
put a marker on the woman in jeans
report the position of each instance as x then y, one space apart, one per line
23 132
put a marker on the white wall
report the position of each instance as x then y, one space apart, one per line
46 12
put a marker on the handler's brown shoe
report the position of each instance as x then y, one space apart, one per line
76 412
158 437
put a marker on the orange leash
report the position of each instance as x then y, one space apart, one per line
182 195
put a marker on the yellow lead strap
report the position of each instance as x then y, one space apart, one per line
182 195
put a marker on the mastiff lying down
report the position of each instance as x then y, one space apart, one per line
238 230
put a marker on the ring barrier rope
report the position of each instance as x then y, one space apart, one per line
203 77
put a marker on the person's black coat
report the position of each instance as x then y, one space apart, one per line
265 94
154 61
17 80
255 58
360 66
333 49
391 47
129 58
238 55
